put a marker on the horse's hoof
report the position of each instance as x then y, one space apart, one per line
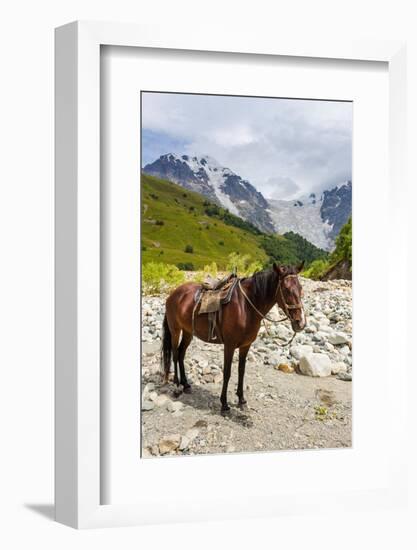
177 392
243 405
187 389
225 409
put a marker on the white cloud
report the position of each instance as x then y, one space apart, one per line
282 146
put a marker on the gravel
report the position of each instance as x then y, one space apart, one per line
286 409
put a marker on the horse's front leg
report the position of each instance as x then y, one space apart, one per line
243 352
227 367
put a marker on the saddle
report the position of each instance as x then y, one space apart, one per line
212 296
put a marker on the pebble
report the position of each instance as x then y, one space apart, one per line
169 444
174 406
161 400
346 376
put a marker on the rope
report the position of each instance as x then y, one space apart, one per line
266 318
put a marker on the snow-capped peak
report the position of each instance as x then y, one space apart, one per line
205 175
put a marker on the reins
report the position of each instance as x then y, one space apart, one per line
286 309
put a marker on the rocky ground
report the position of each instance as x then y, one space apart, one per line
298 397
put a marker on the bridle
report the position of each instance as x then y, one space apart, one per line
286 307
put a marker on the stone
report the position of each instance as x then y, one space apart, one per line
316 364
284 367
283 332
298 351
150 348
338 367
161 400
150 386
169 444
191 434
273 358
173 406
346 376
218 378
338 338
153 396
184 443
147 405
146 453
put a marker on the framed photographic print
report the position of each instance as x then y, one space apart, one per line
221 245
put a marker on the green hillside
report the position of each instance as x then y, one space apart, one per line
174 218
183 228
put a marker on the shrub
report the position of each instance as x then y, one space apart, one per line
159 222
189 249
221 243
210 269
316 269
157 277
153 196
185 266
244 264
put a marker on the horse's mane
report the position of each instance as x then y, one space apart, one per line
264 283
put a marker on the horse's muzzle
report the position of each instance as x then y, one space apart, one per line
298 326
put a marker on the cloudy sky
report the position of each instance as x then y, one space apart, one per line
284 147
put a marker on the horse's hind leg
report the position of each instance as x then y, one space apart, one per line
185 342
175 338
227 367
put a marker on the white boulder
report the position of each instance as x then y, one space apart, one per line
338 338
302 349
316 364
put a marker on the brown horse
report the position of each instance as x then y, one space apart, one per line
240 321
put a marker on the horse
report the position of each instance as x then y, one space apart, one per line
239 322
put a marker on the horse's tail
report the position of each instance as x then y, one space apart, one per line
166 348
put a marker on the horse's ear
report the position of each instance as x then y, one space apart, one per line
280 269
300 267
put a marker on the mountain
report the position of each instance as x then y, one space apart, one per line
317 217
183 228
206 176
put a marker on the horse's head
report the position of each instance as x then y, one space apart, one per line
289 295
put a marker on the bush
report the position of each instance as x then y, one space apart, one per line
159 222
185 266
189 249
157 277
221 243
244 264
316 269
210 269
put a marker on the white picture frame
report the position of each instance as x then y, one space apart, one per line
78 410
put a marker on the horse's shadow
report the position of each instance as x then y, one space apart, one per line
204 400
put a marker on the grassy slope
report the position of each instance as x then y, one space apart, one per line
183 226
